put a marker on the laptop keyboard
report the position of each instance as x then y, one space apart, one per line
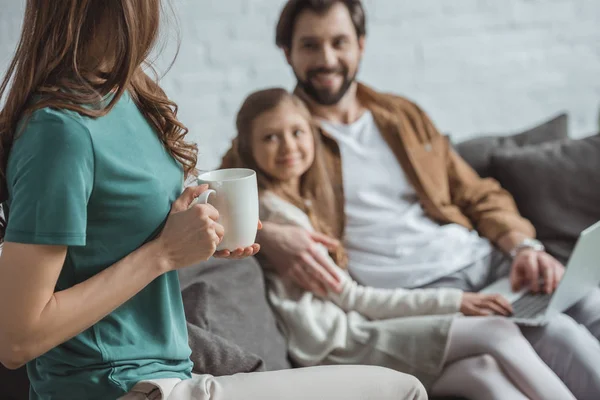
530 305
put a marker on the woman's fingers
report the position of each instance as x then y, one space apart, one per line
222 254
219 230
238 253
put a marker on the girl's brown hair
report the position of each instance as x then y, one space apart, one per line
316 196
71 55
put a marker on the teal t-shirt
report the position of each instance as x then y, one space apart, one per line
102 187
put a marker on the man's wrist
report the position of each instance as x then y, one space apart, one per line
526 244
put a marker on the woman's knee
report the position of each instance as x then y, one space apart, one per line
398 385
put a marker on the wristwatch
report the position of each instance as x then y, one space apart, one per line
527 243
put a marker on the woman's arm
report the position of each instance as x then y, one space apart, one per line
35 319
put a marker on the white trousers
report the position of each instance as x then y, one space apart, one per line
344 382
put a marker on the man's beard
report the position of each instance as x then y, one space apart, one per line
324 96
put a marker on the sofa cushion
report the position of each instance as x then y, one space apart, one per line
231 326
556 186
478 152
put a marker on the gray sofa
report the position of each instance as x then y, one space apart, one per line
556 184
554 180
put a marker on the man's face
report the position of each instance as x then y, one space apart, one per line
325 53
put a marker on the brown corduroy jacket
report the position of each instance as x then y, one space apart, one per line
449 190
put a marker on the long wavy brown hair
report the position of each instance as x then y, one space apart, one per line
71 55
316 196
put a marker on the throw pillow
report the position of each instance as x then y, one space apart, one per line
556 186
478 152
230 324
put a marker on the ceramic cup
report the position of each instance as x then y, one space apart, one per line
234 193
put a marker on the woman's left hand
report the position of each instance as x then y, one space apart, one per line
240 253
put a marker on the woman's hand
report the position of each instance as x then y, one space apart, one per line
240 253
478 304
191 233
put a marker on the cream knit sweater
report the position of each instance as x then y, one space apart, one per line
406 330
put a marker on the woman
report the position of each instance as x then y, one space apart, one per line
92 164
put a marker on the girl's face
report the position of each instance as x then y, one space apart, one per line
282 142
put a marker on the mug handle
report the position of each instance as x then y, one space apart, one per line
203 198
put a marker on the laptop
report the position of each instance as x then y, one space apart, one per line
582 274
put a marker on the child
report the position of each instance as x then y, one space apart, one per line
420 332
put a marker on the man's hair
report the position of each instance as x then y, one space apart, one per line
293 8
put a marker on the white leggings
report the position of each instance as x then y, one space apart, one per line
488 358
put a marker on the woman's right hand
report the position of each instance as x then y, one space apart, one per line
191 233
479 304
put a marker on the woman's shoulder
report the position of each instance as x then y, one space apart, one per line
51 114
49 122
53 133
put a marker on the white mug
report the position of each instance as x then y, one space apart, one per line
234 193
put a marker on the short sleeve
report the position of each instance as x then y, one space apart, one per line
50 178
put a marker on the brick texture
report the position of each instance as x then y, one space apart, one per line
477 66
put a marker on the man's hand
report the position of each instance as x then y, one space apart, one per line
530 265
478 304
293 252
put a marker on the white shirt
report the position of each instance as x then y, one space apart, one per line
390 240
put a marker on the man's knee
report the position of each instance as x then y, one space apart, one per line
586 312
571 351
562 329
559 338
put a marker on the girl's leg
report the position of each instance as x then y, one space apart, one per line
500 338
477 377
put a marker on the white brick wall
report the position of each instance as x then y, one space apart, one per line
477 66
